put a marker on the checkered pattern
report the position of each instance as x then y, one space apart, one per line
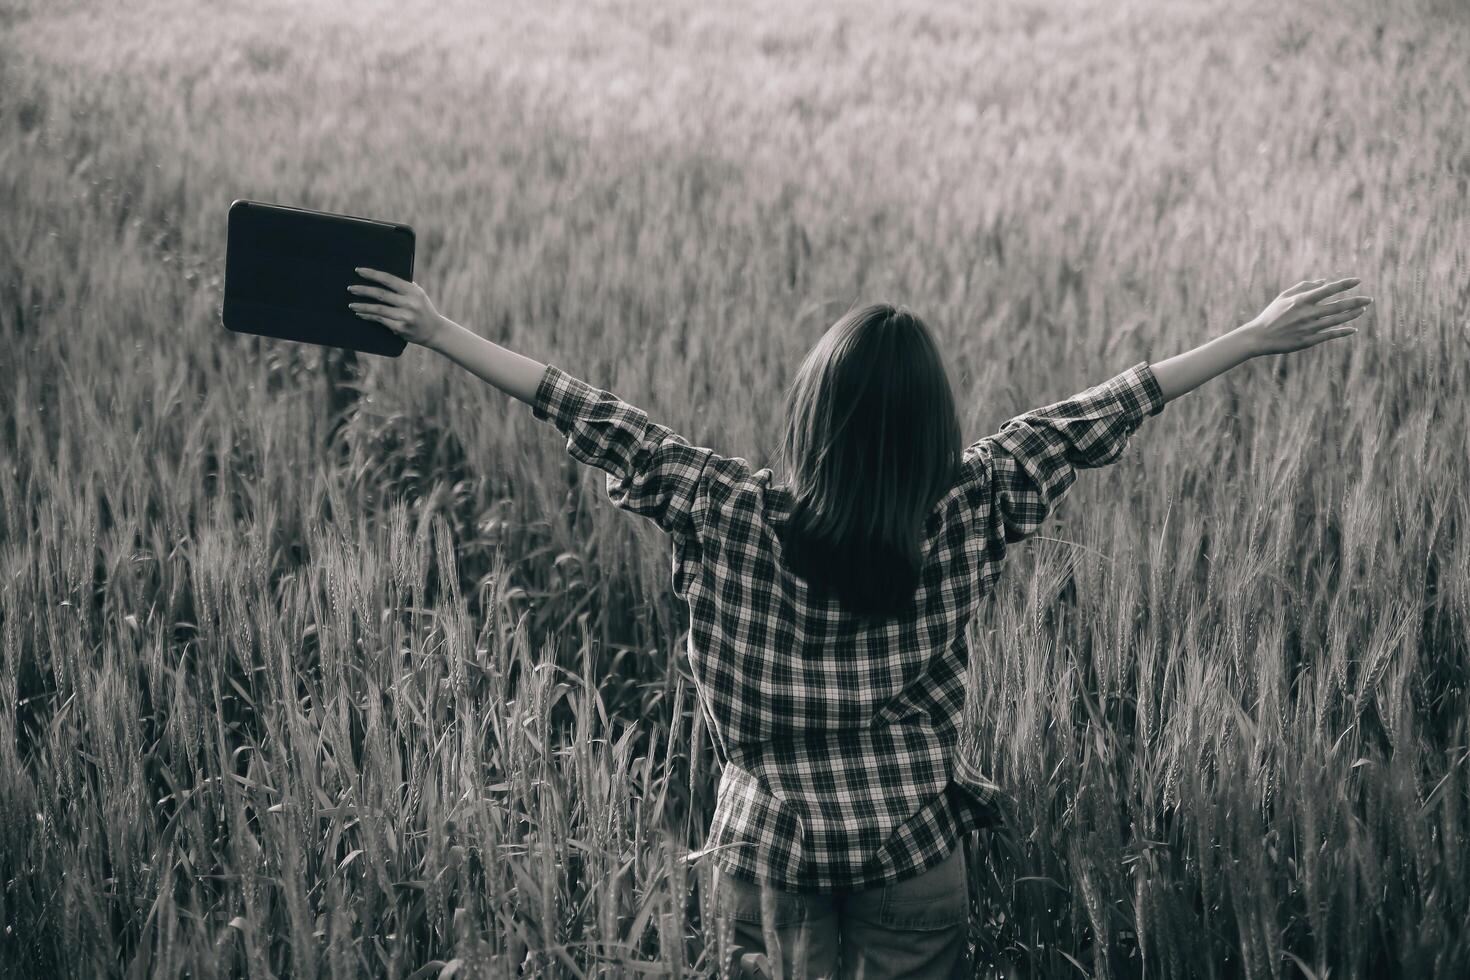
838 741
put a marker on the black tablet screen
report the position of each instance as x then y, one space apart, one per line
287 271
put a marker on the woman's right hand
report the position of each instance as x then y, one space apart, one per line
1300 318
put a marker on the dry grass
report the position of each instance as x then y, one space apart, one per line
284 693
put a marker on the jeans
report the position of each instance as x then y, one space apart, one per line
915 927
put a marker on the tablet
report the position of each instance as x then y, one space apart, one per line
287 271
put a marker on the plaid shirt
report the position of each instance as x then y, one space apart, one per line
837 741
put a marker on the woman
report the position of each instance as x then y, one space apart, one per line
828 609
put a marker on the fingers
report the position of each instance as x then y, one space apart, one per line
386 278
1304 284
1333 334
393 325
1343 317
389 312
386 295
1342 305
1322 292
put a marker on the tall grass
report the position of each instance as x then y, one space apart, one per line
312 668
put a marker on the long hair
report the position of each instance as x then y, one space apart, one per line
871 443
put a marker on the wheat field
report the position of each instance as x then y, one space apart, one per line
314 667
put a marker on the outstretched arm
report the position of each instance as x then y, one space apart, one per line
405 308
1299 318
652 471
1012 479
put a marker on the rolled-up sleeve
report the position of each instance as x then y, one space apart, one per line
651 470
1014 477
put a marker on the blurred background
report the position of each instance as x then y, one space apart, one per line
317 666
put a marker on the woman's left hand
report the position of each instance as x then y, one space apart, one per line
401 306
